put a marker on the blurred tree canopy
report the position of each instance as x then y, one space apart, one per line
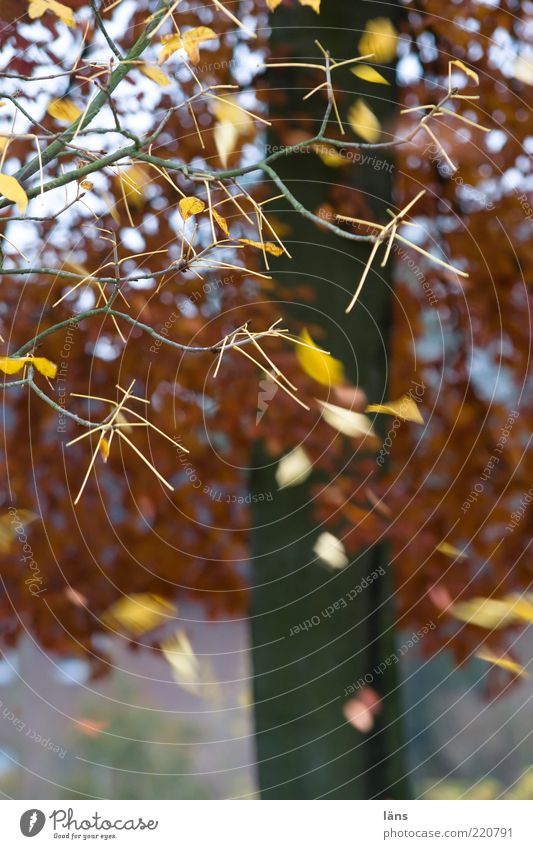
175 387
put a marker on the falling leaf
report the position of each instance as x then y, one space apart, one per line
63 110
155 74
484 612
450 550
523 70
503 661
269 247
294 468
227 109
138 613
122 420
363 121
358 714
346 421
190 206
329 156
76 597
379 38
440 596
232 124
331 550
12 365
178 651
319 364
315 4
370 75
190 42
222 223
12 190
494 613
64 13
404 408
465 69
131 184
226 136
8 521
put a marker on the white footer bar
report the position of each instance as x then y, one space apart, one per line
268 825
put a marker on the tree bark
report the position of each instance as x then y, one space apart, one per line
305 747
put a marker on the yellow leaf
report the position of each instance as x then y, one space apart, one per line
86 185
11 365
226 136
132 184
222 223
346 421
190 206
331 550
379 38
43 366
104 447
450 550
318 364
12 190
177 650
273 4
404 408
138 613
232 123
502 661
294 468
122 420
170 43
465 69
363 121
8 522
494 613
269 247
315 4
63 110
156 74
64 13
522 608
190 42
370 75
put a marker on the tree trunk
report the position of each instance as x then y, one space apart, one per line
305 747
